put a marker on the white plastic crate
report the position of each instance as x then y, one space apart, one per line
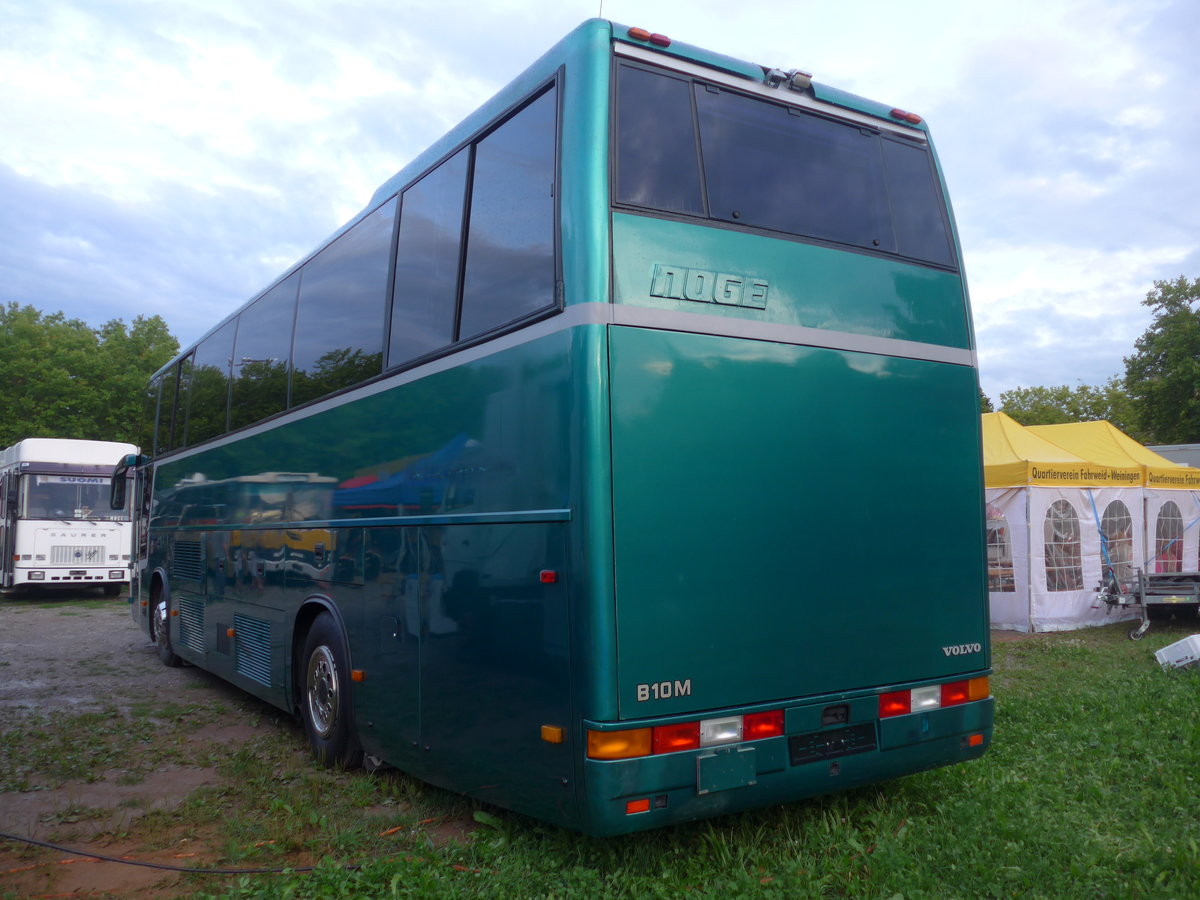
1180 654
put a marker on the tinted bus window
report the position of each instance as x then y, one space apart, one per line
916 209
801 174
146 436
510 239
427 256
260 355
208 395
339 317
168 411
657 165
770 166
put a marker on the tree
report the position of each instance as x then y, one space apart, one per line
1163 374
985 402
1086 403
65 379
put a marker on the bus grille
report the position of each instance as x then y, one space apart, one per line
76 555
188 560
252 654
191 623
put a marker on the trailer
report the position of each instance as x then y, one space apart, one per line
1157 595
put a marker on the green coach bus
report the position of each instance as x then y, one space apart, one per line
618 464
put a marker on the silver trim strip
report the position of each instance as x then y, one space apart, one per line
798 335
596 313
777 95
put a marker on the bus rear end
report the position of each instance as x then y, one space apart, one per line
797 515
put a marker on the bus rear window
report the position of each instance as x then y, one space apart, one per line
775 167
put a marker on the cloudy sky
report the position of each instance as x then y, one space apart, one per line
172 156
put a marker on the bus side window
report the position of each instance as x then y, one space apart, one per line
427 254
341 310
262 355
509 271
207 396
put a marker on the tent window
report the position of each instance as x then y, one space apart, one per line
999 547
1116 535
1064 570
1168 539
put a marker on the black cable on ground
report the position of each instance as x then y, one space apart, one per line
162 866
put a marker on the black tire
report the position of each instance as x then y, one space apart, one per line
325 696
112 590
160 631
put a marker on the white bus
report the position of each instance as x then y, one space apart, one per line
56 527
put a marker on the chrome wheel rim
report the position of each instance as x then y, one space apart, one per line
322 682
161 635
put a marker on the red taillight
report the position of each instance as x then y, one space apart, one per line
896 703
955 692
762 725
672 738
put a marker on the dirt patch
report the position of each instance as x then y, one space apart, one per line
87 656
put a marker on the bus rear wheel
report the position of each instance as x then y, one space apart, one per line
325 699
161 633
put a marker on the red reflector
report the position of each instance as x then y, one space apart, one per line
913 118
660 40
896 703
955 692
548 576
672 738
639 34
975 740
637 806
762 725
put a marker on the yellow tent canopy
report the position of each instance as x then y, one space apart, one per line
1103 442
1013 455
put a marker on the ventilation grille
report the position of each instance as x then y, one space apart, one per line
191 624
77 555
252 653
188 560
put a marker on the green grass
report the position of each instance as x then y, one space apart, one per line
1089 790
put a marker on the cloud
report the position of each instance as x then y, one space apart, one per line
175 158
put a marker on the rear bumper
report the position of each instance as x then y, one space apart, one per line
682 786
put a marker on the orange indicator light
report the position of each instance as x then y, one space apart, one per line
637 806
358 675
552 734
979 688
619 744
229 632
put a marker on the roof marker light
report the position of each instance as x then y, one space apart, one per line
641 34
910 118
